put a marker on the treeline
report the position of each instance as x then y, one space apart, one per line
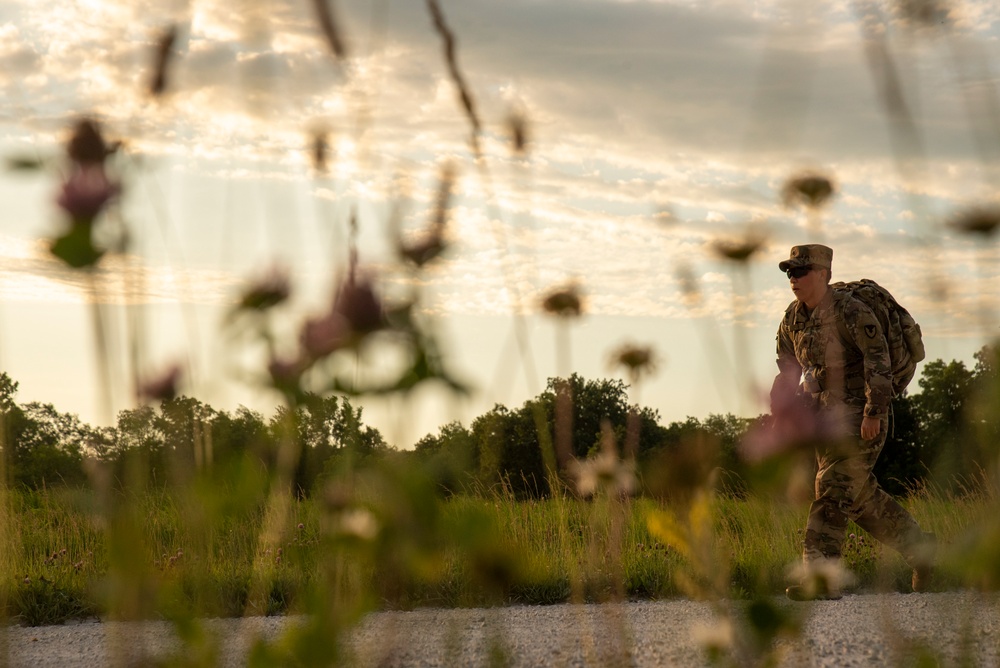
175 439
945 435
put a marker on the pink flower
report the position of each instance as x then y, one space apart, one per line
793 424
357 302
163 387
86 192
321 336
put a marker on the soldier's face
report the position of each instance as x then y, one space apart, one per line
809 288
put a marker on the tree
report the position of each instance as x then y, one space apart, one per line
326 432
939 410
450 457
47 446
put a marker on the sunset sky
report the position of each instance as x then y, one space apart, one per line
657 130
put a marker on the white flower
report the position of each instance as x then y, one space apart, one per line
359 523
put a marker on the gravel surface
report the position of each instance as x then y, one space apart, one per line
858 630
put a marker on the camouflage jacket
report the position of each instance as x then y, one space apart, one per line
853 372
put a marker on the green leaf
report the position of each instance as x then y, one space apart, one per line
76 248
24 163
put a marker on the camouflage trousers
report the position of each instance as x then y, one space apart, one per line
846 489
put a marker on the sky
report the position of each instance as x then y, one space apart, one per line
657 130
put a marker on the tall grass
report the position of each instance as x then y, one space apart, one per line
479 551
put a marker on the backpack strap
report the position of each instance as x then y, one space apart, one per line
856 380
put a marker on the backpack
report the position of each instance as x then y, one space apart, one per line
906 345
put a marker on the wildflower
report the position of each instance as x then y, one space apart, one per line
324 335
358 303
358 523
86 193
793 423
27 580
301 526
162 387
982 220
826 577
605 471
86 145
813 190
716 639
270 290
432 244
564 302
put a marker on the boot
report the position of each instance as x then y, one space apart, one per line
820 580
803 592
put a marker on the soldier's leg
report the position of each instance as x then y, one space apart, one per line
829 512
822 577
875 511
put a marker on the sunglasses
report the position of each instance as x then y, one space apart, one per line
798 272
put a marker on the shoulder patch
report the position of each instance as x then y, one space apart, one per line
870 330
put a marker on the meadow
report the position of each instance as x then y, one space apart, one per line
180 532
409 547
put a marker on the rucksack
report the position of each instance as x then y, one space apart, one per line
906 345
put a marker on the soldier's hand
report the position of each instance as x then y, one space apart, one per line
870 427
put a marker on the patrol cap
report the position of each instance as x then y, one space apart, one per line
817 255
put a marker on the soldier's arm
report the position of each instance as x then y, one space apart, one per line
867 333
786 383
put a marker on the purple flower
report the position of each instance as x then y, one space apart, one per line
358 304
322 336
86 192
162 387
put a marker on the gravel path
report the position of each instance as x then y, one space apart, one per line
859 630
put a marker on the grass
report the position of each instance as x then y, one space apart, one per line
184 559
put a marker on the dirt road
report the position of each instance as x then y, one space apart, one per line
858 630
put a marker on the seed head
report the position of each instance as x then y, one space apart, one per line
739 250
927 13
161 61
564 302
86 144
270 290
812 190
517 125
981 220
637 360
320 150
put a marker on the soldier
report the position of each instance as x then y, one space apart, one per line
844 387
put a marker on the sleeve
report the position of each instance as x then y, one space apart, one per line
866 332
789 370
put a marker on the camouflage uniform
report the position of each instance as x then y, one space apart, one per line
843 381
